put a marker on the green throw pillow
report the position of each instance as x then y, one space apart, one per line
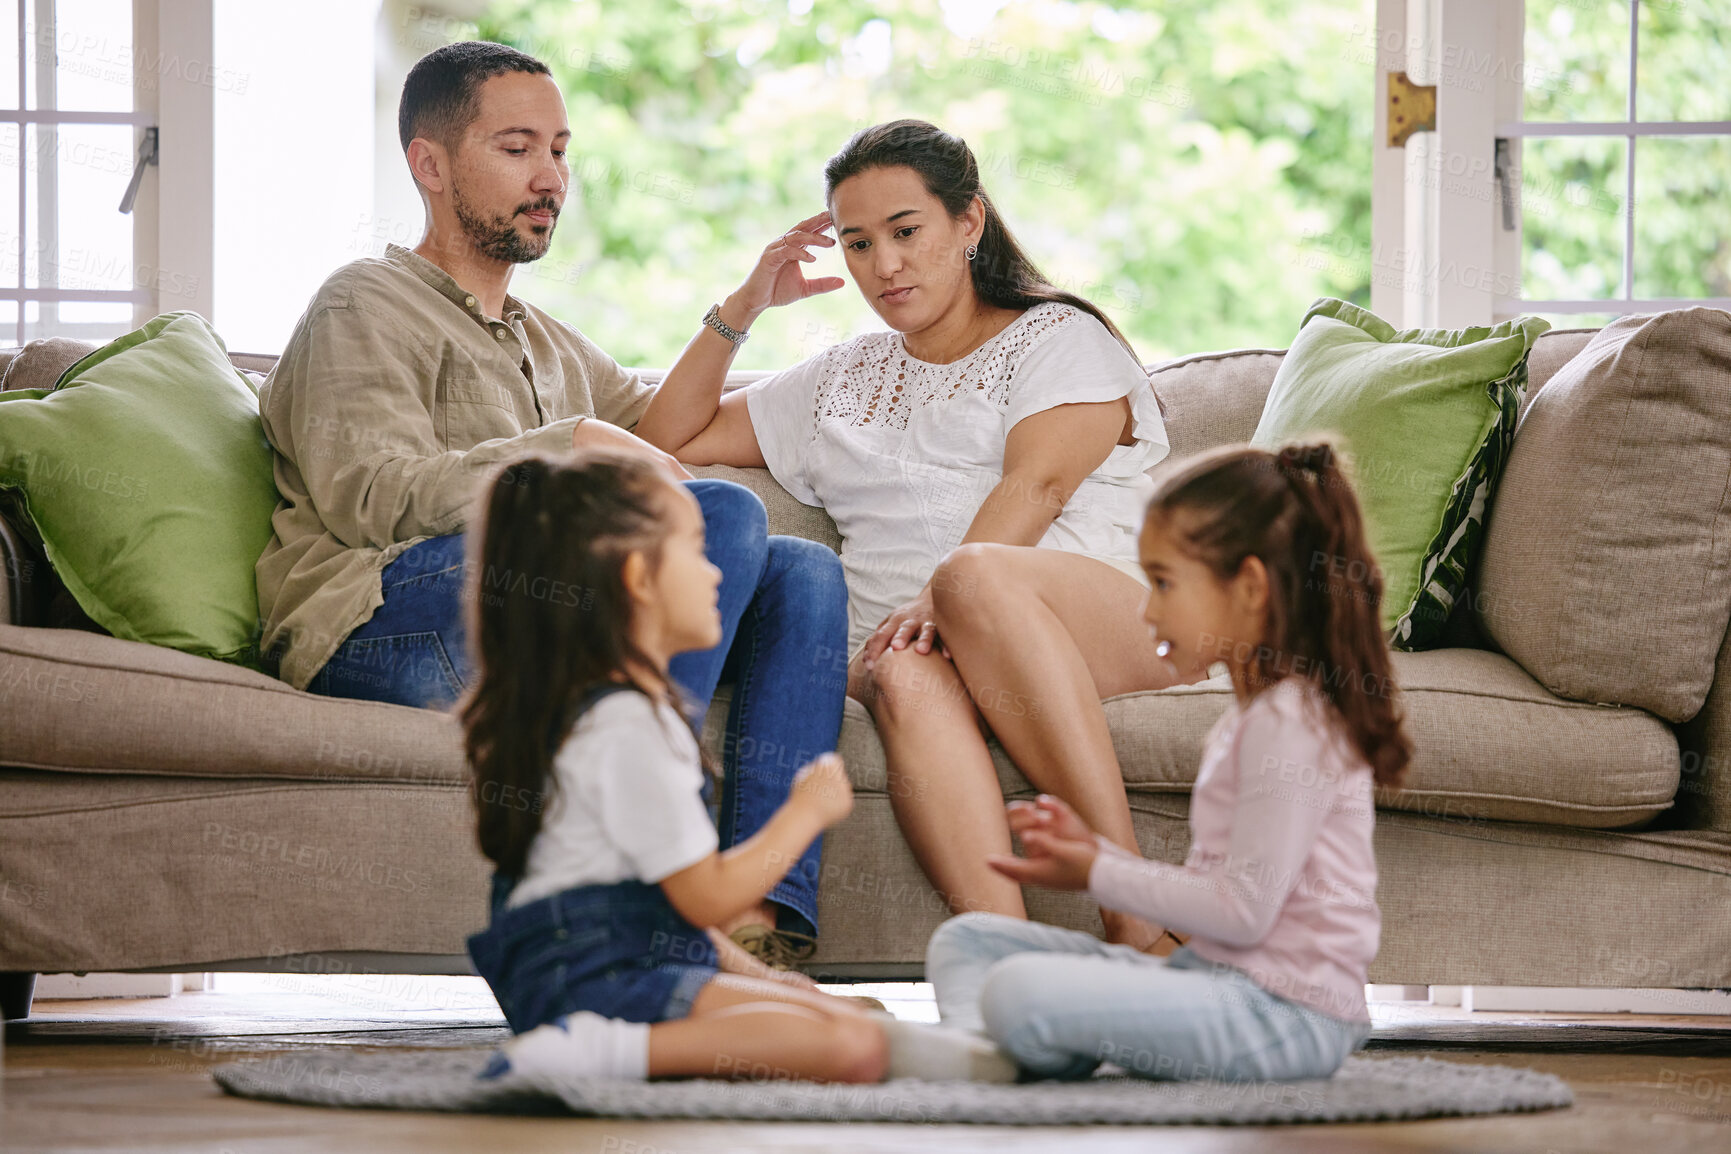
1426 418
147 476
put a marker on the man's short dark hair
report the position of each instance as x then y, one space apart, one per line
442 94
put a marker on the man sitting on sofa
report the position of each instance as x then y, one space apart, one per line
411 376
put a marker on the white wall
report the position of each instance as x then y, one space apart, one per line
294 158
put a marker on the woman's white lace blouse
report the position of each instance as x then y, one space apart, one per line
901 452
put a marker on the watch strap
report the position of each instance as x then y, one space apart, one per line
712 318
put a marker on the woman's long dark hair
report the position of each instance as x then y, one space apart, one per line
549 622
1003 274
1296 511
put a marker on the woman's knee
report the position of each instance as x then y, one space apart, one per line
969 582
905 683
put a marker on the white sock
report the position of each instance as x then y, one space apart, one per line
942 1053
578 1046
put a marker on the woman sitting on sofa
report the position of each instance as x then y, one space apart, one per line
984 462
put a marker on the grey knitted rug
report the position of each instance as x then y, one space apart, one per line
1364 1089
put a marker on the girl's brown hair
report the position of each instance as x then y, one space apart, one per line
1296 511
549 623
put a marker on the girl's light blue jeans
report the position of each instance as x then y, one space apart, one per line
1061 1002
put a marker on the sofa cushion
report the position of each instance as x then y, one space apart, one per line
84 702
148 479
786 514
1426 417
1607 564
1213 398
1492 745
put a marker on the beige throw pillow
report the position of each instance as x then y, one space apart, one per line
1607 560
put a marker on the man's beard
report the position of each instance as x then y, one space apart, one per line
498 237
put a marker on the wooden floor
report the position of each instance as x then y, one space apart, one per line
117 1075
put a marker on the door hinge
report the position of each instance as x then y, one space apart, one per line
1411 108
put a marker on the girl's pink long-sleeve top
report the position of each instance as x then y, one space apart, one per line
1281 878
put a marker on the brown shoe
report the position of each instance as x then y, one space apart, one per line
777 949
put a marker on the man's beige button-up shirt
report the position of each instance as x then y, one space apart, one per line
392 402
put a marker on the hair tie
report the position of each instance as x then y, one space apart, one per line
1298 460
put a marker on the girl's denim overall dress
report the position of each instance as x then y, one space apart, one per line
620 950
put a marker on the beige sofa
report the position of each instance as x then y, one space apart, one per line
161 811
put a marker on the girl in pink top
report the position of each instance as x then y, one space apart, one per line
1257 560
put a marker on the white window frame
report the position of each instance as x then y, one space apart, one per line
172 240
1442 255
1631 129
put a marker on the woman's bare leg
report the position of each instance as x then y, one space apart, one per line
1040 636
942 784
747 1028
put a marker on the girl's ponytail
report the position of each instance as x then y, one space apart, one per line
1295 510
548 622
1343 593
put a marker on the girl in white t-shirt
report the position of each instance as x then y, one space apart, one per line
985 462
586 576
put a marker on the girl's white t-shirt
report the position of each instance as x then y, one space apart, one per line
627 802
901 453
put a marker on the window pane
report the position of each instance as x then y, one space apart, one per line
113 315
85 320
1684 71
10 242
1577 60
1572 192
80 172
8 72
89 48
1682 216
1575 320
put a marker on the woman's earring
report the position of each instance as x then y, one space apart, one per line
972 251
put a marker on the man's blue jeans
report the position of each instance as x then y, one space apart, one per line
783 647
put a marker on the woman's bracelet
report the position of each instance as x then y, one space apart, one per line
712 318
